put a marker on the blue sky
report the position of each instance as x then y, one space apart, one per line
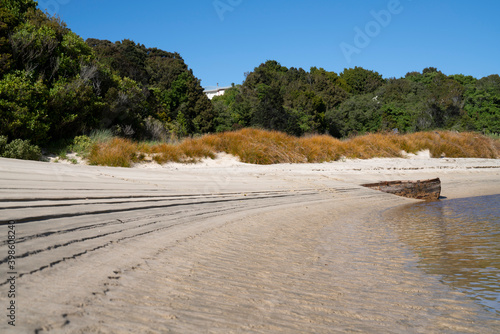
222 39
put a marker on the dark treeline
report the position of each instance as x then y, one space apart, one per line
358 101
54 85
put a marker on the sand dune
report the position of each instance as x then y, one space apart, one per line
226 247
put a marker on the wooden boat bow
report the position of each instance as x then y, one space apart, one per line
428 190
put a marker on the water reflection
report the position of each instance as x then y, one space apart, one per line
458 240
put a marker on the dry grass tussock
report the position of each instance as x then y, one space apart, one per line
257 146
270 147
117 152
454 144
187 151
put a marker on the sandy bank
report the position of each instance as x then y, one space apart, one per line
227 247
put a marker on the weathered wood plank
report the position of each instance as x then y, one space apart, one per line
422 189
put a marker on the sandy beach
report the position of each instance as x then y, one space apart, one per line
226 247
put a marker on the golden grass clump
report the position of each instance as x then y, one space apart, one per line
213 141
454 144
421 141
189 150
257 146
117 152
321 148
373 145
164 153
193 149
270 147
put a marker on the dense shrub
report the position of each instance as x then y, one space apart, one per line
81 145
54 85
3 143
358 101
23 109
19 149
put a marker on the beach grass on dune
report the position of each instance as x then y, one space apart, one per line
117 152
270 147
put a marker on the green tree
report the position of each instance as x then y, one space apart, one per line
308 110
443 98
18 7
45 46
330 86
267 73
361 81
7 21
125 107
73 54
482 105
171 93
264 90
445 101
357 115
227 112
23 107
268 110
403 105
185 105
73 108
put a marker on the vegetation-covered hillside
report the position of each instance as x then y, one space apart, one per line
359 101
54 85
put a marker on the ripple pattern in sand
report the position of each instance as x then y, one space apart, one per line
287 271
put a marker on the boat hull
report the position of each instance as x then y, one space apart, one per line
428 190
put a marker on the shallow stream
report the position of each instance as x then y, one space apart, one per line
458 240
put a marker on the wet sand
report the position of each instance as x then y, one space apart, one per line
227 248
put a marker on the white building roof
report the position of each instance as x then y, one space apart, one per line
214 88
215 91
